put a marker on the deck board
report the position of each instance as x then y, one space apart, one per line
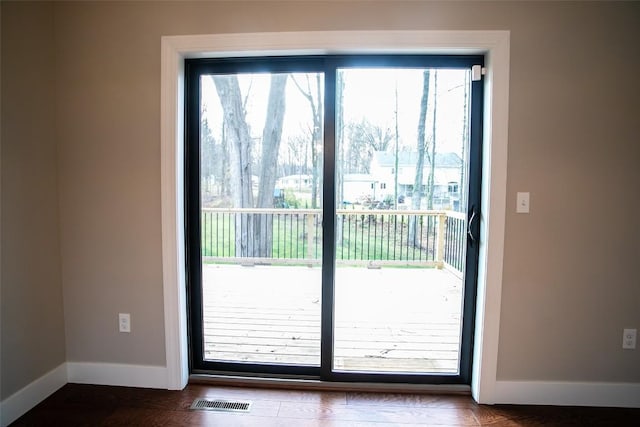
389 319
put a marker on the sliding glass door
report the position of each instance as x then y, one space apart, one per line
402 156
330 204
256 219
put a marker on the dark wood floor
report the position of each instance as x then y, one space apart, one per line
88 405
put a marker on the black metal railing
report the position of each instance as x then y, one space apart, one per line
294 236
455 240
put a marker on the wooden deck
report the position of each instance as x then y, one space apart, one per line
389 319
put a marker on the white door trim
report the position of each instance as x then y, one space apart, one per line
493 44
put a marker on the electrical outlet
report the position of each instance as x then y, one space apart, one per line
629 338
124 321
522 202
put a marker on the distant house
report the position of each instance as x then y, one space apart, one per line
357 186
295 182
446 194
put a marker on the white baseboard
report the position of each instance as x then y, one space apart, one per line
622 395
117 374
16 405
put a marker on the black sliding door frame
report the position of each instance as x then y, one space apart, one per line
328 65
194 69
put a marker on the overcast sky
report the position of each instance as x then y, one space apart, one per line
368 93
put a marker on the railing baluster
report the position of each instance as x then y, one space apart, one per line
355 236
430 239
424 234
306 231
462 244
427 238
318 228
280 234
203 236
462 240
412 245
455 237
447 240
349 238
455 242
395 235
288 238
388 236
361 236
342 221
433 239
375 235
401 233
298 235
215 237
269 227
368 234
381 236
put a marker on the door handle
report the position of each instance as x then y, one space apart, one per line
472 216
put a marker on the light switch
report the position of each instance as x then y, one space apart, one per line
522 202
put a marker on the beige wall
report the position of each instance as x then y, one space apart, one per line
570 284
570 275
33 339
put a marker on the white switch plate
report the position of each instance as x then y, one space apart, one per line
522 202
629 338
124 322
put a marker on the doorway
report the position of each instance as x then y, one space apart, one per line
331 216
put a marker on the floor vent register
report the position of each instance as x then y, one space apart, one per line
222 405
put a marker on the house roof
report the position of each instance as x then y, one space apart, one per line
410 158
358 177
295 177
441 176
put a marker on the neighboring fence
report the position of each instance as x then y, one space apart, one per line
371 237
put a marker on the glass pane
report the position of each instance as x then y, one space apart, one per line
402 143
261 175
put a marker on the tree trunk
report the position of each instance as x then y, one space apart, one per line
224 165
317 143
316 136
239 140
432 169
271 137
395 169
416 197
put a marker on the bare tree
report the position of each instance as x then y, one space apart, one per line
207 158
365 139
271 136
213 163
432 156
315 103
396 154
293 159
416 197
357 152
239 142
252 237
